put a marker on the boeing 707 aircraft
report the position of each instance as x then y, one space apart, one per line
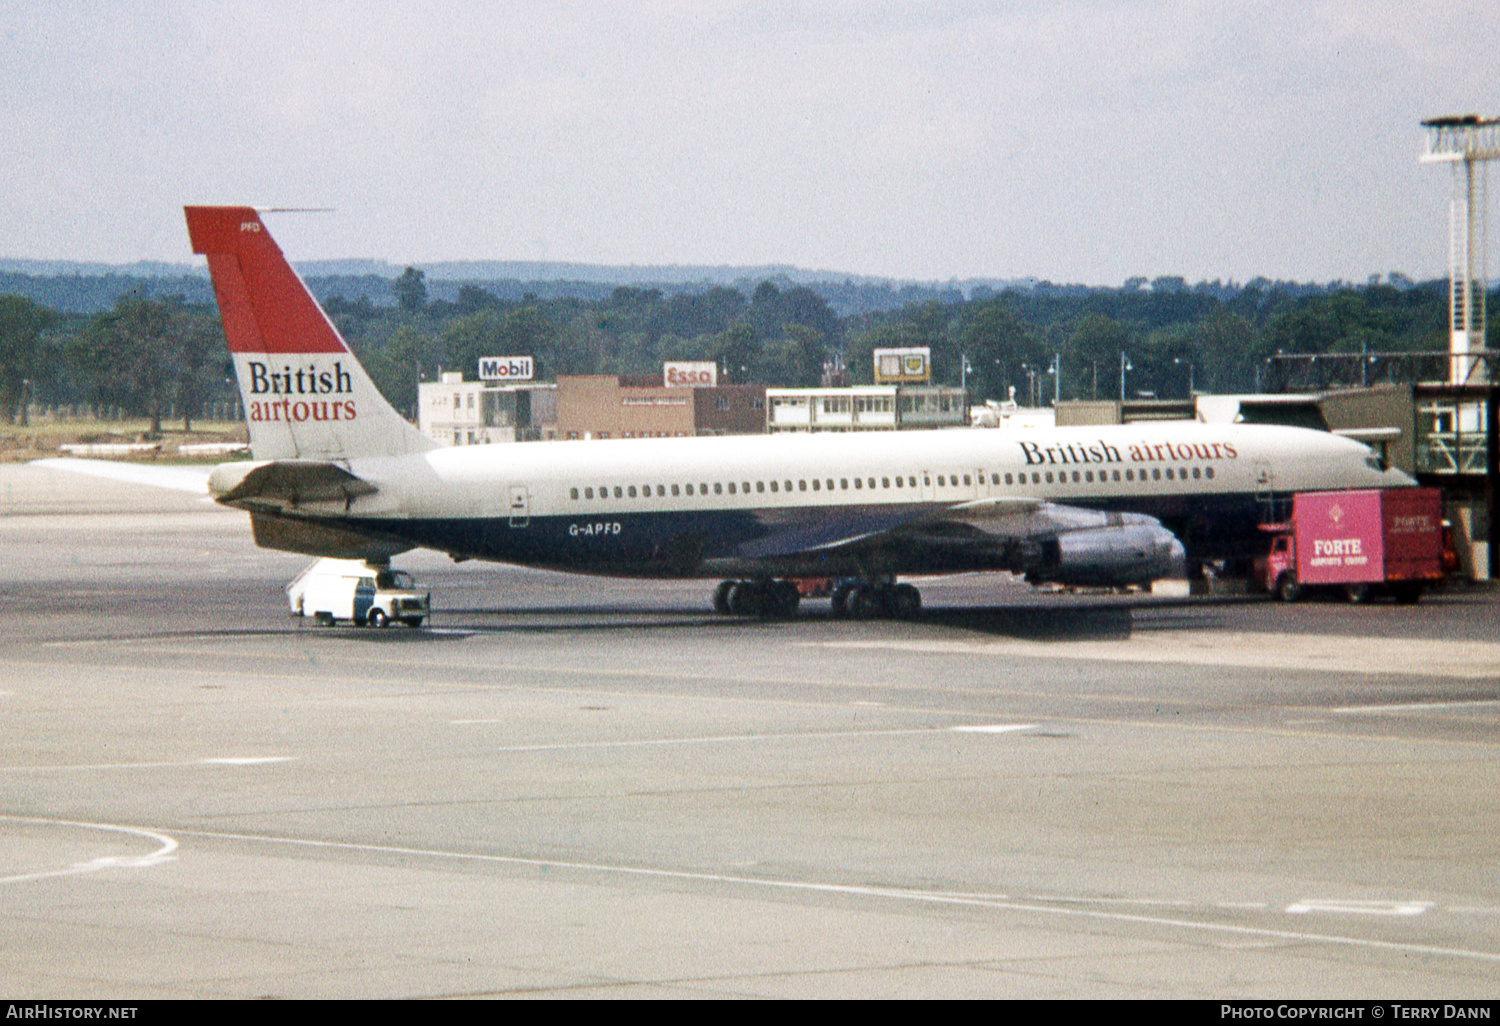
336 471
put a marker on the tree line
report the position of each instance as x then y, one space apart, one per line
151 354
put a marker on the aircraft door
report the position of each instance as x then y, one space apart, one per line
929 486
1265 490
520 506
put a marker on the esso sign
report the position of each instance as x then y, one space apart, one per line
506 368
690 375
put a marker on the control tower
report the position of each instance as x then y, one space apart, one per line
1466 141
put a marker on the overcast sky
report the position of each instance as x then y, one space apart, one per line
1064 139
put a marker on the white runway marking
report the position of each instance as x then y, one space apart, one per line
738 738
1470 660
1415 706
249 761
1036 906
162 854
1359 908
232 761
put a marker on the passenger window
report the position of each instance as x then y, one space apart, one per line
801 486
572 493
619 492
703 489
858 483
1197 473
1088 477
1155 474
631 491
1049 477
1076 477
816 484
788 486
1169 473
676 490
1117 475
773 486
688 489
942 481
745 487
718 488
661 489
885 482
588 493
843 482
966 480
760 486
1007 479
731 488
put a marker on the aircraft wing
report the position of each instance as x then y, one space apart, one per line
1047 541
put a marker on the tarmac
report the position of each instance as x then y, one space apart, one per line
573 787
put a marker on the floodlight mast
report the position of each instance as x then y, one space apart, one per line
1465 141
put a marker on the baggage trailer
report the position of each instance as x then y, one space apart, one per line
1362 543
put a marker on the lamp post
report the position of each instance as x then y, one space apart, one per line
1056 371
1124 366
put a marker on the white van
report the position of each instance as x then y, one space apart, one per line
348 589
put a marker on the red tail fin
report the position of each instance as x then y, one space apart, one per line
305 395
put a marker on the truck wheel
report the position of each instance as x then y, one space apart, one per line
1408 593
376 618
323 619
1357 593
1287 588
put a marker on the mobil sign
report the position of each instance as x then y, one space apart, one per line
505 368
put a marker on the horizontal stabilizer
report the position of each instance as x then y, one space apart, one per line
284 484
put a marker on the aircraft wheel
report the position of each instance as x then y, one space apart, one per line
785 598
866 603
721 597
840 600
904 602
744 599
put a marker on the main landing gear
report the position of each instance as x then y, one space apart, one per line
767 600
863 600
778 600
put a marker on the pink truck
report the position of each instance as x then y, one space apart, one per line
1363 544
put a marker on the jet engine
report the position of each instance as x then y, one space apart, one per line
1110 557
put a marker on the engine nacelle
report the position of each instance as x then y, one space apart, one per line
1110 557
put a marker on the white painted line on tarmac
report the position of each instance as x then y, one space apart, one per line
1415 706
163 854
1340 906
994 728
248 761
740 738
256 761
1034 906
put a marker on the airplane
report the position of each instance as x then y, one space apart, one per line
336 471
